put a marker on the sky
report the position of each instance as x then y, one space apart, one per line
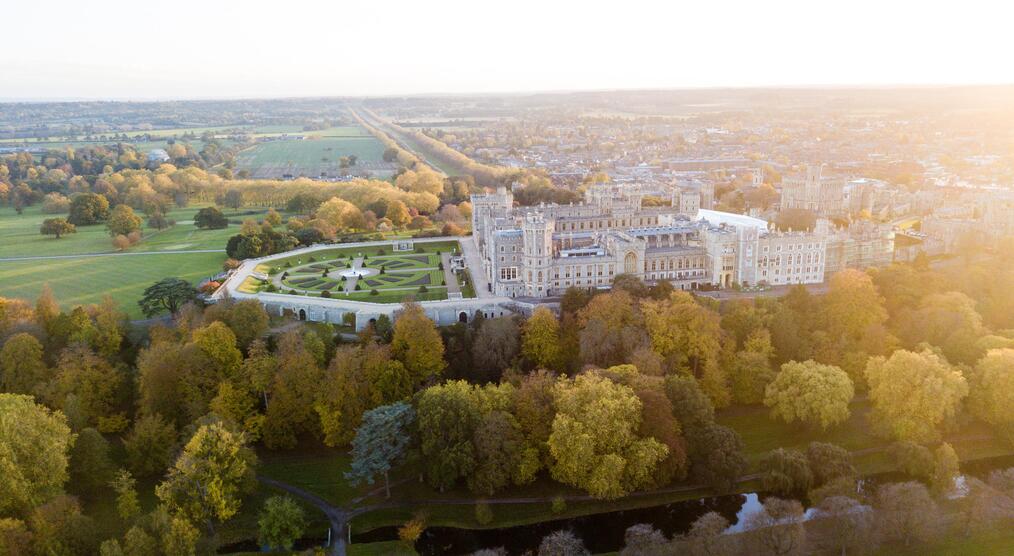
183 49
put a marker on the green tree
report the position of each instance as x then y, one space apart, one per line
90 465
209 478
34 446
94 385
381 440
829 462
280 523
912 459
22 370
168 294
815 394
127 505
786 471
499 448
123 221
57 227
88 208
541 339
690 404
716 457
448 416
913 394
594 443
417 344
851 305
210 218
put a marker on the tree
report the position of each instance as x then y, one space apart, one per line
829 462
499 449
814 394
786 471
397 213
90 465
150 445
991 396
416 343
850 524
644 540
945 469
852 305
57 227
381 440
34 446
913 394
778 527
168 294
541 339
448 416
495 347
22 370
210 218
716 456
688 336
750 375
123 221
707 536
88 208
59 527
690 405
88 388
658 422
562 543
594 443
15 538
912 459
905 512
209 478
280 523
123 484
273 218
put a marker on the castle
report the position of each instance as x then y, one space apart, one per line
540 251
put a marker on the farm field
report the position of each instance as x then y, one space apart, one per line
90 269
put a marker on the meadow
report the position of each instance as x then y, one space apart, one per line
310 157
88 268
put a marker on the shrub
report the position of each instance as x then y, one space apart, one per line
325 293
483 513
357 286
381 251
233 264
374 292
312 260
440 265
422 289
559 504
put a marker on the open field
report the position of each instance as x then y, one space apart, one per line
89 268
318 154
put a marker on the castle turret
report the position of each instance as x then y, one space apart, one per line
538 253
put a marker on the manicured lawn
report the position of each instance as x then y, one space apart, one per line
87 280
987 543
320 152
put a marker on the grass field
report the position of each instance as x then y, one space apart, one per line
87 279
319 153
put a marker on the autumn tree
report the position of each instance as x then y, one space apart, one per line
124 485
34 447
814 394
297 381
688 335
122 221
210 218
945 469
914 394
851 304
417 344
991 396
57 227
150 445
778 527
495 347
88 208
541 339
499 453
850 525
594 442
210 477
91 467
22 370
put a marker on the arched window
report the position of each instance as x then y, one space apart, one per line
630 263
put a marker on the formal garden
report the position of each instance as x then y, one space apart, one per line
376 273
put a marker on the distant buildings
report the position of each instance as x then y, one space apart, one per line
157 157
825 196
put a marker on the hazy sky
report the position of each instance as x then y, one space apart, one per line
254 48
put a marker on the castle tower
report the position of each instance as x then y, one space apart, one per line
537 237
